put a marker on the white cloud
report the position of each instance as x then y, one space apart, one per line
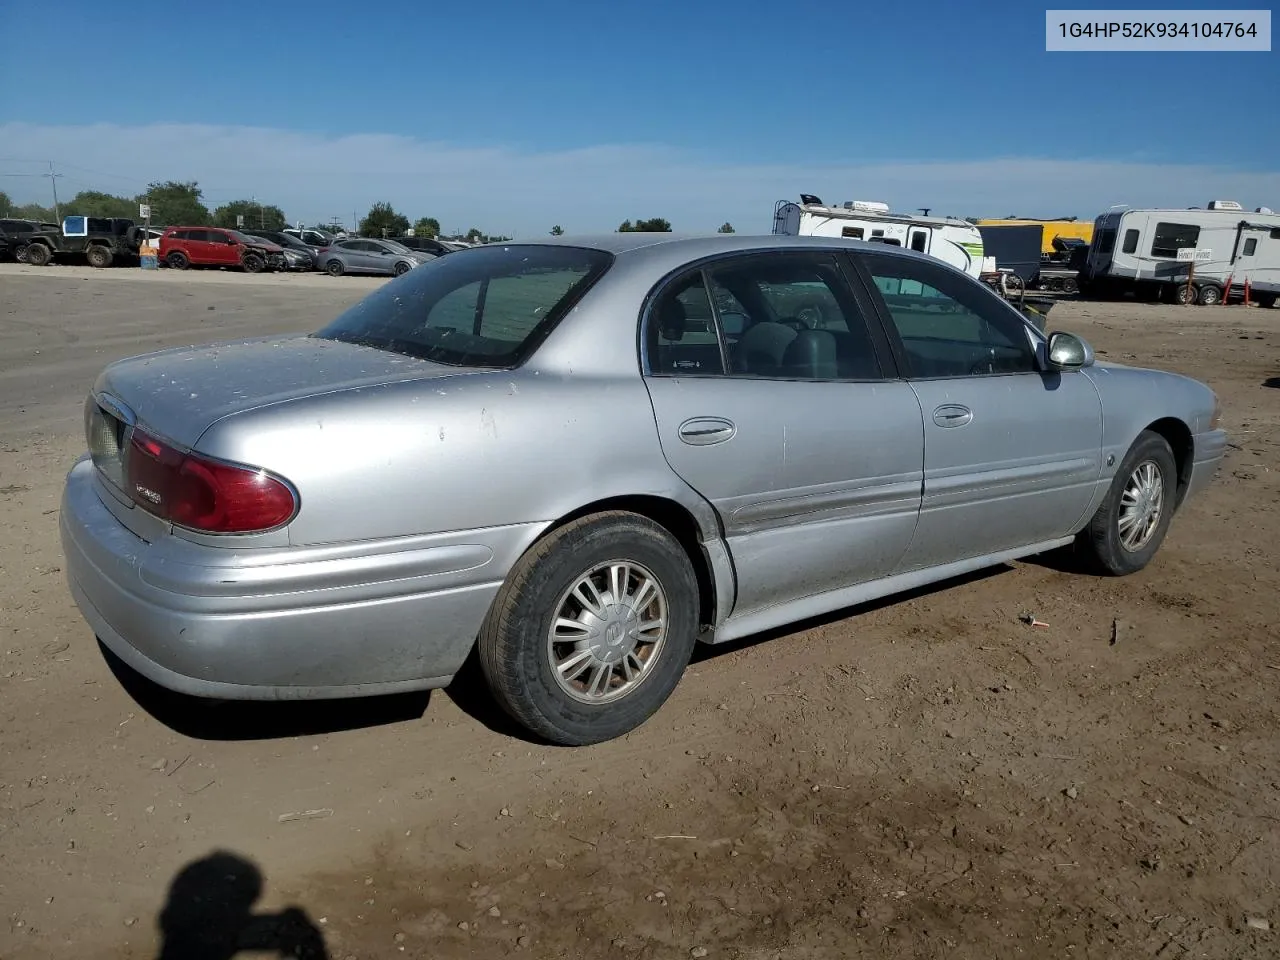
522 192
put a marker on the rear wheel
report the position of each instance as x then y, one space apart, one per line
1131 523
1069 285
401 268
1183 295
1266 299
593 629
38 254
98 255
334 268
1210 294
177 260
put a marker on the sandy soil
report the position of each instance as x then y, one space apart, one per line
928 777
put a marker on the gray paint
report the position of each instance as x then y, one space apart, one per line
421 485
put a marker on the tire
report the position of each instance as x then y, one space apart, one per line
1103 541
20 253
1210 295
178 260
1070 286
1266 300
401 268
38 255
334 268
98 256
1182 295
252 263
517 649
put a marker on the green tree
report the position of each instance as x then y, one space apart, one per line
474 236
653 225
256 215
334 227
176 204
93 203
557 231
6 204
383 221
726 227
32 211
427 227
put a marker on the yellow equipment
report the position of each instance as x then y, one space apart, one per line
1067 229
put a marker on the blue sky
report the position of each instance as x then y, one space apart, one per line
513 116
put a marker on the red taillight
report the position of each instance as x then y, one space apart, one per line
194 491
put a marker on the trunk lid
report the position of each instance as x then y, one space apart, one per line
180 393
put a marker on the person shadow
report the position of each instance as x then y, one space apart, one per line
209 916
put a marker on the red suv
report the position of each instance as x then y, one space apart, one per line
182 247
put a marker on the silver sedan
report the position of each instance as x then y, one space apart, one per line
584 456
364 255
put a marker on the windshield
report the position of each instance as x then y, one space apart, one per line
397 247
487 308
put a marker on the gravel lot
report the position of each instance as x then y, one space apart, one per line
923 778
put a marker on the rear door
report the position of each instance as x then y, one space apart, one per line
1011 453
777 402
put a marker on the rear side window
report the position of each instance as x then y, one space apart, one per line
1130 241
487 307
1170 237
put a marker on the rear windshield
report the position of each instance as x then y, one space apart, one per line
486 307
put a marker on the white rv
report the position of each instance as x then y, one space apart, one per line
1137 251
956 242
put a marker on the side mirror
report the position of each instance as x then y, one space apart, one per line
1066 351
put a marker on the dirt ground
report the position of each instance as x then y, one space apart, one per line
928 777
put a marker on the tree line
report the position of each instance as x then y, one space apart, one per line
182 203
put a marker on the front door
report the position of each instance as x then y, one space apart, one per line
777 406
1012 453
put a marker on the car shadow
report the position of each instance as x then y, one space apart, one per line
208 915
1273 382
261 720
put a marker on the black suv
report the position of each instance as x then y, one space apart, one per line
425 244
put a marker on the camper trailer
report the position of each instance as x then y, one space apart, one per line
956 242
1153 253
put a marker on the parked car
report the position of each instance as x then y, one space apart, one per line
366 255
431 245
182 247
583 456
298 255
17 234
313 236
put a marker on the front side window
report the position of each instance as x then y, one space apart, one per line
1170 237
948 326
487 307
1130 241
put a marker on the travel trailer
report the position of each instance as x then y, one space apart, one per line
1137 251
953 241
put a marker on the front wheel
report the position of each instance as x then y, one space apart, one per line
593 629
253 263
1131 523
1210 295
401 268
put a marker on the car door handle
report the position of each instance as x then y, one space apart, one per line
952 415
701 431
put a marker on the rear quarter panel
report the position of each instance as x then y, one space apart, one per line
487 450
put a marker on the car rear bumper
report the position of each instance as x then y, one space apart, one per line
290 623
1208 450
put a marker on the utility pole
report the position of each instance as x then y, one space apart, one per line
53 180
